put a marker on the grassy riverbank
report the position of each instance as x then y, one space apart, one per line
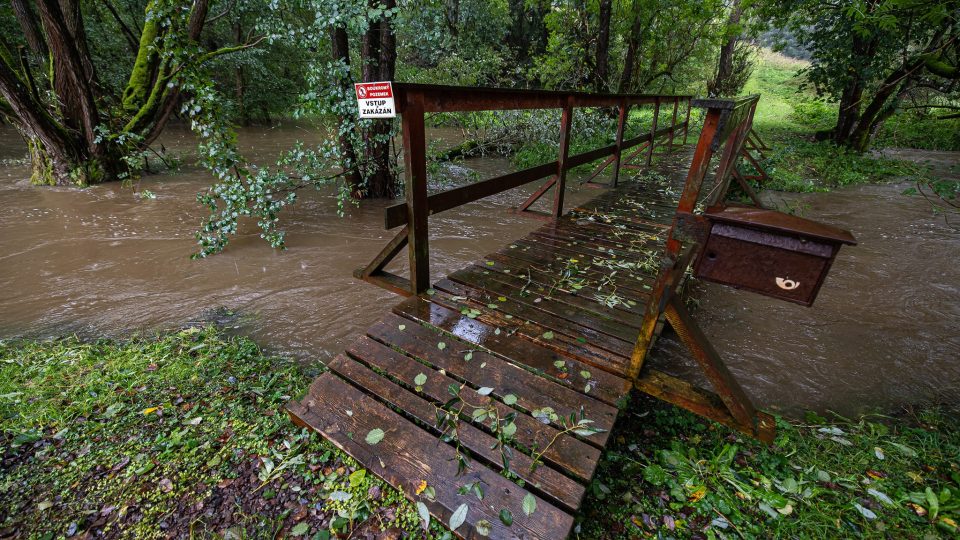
184 434
789 115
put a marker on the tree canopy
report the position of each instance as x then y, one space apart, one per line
91 85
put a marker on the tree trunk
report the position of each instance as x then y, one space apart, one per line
528 34
341 52
31 29
75 131
718 86
852 96
879 109
633 44
379 54
603 46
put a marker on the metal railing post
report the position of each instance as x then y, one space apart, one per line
621 125
653 129
673 123
415 156
686 123
565 119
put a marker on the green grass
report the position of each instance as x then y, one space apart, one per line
178 434
671 474
788 117
183 434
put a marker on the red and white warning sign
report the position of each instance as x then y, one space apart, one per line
375 100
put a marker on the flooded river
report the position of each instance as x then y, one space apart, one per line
101 261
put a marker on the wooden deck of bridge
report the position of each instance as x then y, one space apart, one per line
550 320
489 397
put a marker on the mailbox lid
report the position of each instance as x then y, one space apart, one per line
778 222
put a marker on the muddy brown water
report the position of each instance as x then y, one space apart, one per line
101 261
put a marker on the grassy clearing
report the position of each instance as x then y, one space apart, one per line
184 435
788 116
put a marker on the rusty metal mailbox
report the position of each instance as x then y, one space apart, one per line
769 252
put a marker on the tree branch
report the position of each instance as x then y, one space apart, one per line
132 40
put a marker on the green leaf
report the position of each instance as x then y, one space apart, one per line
441 345
509 430
402 327
424 515
374 436
906 450
112 410
506 516
485 391
933 503
655 474
420 379
559 364
529 504
510 399
300 529
585 374
458 517
340 496
548 335
431 292
880 496
357 477
865 512
483 527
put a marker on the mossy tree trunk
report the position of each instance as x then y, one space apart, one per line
76 131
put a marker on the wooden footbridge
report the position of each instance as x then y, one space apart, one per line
488 396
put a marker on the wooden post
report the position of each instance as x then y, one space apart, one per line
673 123
415 156
621 125
686 123
561 183
653 130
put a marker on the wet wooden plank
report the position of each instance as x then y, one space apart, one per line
561 341
574 316
558 264
550 483
589 248
408 455
523 277
641 266
604 234
531 390
604 386
528 285
567 453
521 314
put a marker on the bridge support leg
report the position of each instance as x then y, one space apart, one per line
374 273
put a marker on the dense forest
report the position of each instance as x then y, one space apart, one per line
91 85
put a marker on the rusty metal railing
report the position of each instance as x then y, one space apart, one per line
726 127
415 100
